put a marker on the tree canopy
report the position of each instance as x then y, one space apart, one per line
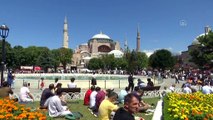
202 55
162 59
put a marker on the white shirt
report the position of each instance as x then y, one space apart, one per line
92 99
71 85
187 90
172 88
143 85
55 107
207 89
24 93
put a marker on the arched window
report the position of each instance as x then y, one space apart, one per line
104 48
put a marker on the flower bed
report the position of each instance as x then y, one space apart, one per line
10 110
195 106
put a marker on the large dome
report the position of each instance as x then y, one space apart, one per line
100 36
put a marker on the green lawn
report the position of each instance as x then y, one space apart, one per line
77 106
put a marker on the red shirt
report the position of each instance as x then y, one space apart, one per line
42 84
87 97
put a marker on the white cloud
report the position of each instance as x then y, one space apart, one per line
148 52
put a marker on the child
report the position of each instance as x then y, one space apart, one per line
42 84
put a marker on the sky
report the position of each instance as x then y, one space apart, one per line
168 24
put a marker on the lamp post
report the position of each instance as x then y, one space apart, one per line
4 31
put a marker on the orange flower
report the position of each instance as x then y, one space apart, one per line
186 118
42 118
28 109
31 117
1 116
9 115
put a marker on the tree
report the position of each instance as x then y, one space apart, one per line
19 57
56 59
32 54
161 59
45 60
95 63
65 56
109 62
121 63
142 60
202 54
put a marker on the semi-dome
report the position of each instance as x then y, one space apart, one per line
195 41
100 36
117 53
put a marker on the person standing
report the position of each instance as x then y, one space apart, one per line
93 81
56 82
131 106
131 82
13 82
176 79
42 83
9 79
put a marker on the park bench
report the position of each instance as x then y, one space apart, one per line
151 91
72 93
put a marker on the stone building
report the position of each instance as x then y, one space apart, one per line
185 56
100 44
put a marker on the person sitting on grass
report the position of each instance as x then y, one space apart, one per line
55 107
131 106
98 99
47 93
143 107
107 106
25 95
206 89
122 94
164 92
87 95
92 98
6 91
187 89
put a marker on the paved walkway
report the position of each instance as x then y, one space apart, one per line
35 90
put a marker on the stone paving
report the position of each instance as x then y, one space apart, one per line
85 84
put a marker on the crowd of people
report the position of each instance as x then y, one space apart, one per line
106 104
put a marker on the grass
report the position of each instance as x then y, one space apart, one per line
166 115
77 106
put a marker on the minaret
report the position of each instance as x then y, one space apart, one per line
65 32
207 29
138 40
125 45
